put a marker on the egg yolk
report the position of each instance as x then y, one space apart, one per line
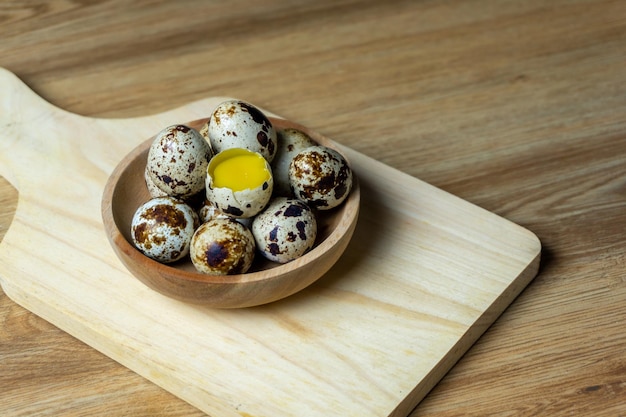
238 169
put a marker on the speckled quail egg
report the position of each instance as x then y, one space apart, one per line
162 228
239 182
153 190
321 177
208 211
204 131
177 161
290 142
237 124
285 230
222 246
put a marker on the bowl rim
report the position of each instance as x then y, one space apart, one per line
119 242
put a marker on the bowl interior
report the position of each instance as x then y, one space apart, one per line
126 191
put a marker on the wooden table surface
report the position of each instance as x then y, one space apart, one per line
517 107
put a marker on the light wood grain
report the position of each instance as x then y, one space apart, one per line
425 276
515 106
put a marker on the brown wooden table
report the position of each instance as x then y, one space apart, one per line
518 107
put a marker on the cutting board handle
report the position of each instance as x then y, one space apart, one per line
40 140
25 118
41 143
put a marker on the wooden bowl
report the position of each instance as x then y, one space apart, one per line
265 282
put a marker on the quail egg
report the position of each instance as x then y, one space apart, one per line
162 228
208 211
177 161
321 177
285 230
153 190
236 124
222 246
239 182
290 142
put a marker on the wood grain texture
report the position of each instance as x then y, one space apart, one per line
515 106
423 278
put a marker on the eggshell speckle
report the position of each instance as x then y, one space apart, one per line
162 228
237 124
222 246
177 161
290 142
321 177
285 230
208 211
153 190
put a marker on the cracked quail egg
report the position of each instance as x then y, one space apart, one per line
177 161
285 230
239 182
222 246
237 124
162 228
321 177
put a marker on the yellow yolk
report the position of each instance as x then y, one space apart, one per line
239 169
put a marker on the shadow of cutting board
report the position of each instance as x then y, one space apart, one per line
424 276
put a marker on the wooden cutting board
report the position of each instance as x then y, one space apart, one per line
424 276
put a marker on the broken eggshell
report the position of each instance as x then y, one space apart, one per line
244 203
